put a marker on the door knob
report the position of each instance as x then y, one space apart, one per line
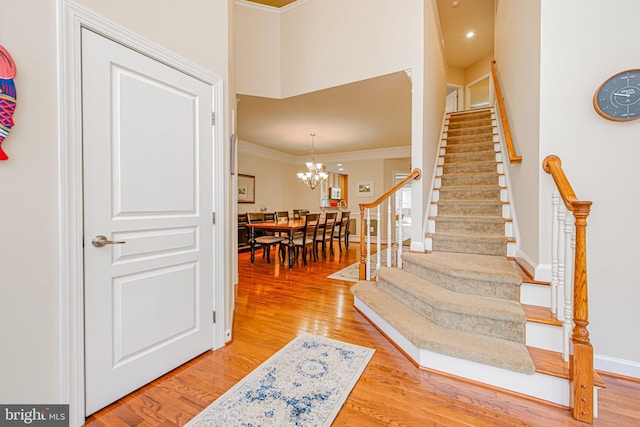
100 241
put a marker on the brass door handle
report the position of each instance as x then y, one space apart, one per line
100 241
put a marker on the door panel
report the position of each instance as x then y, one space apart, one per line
147 160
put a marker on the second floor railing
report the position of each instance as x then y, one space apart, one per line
569 300
393 218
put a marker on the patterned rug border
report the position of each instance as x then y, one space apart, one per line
253 384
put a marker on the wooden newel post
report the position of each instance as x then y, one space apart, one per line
362 271
581 362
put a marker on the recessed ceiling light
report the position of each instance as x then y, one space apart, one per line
455 3
470 34
339 164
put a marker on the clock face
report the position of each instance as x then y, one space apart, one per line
618 98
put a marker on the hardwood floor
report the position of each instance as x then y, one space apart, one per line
274 304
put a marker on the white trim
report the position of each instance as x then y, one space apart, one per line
72 18
628 368
271 8
347 156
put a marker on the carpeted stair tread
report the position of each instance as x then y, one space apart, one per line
470 147
470 207
485 244
469 192
470 224
470 167
466 139
485 275
494 317
424 334
475 122
470 131
482 178
470 156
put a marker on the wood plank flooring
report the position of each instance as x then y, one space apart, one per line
274 304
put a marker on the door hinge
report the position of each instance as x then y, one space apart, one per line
214 316
213 217
213 118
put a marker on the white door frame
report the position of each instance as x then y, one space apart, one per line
476 81
72 18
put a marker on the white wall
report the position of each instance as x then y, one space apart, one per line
517 54
549 70
428 104
258 54
322 44
30 352
578 52
31 355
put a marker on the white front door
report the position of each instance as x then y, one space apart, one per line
147 160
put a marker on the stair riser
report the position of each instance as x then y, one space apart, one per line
468 168
474 156
469 117
469 131
470 227
458 124
498 328
446 193
470 179
469 139
477 209
471 245
467 286
470 147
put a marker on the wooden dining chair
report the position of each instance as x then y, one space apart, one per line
304 242
266 241
325 233
341 231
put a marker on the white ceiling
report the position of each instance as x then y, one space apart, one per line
374 113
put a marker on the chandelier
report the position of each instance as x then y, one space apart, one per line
314 175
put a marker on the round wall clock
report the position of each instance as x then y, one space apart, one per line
618 98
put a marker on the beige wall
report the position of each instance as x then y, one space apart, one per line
478 69
32 367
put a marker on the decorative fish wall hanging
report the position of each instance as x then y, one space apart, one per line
7 96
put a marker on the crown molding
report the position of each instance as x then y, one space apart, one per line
266 8
347 156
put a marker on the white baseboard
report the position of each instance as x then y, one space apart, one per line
628 368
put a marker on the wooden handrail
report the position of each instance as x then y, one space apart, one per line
513 157
415 174
581 361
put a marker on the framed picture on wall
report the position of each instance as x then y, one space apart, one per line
364 189
246 188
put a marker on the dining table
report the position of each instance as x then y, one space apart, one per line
289 227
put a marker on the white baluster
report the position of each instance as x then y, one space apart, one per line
555 200
378 238
389 232
400 232
560 291
567 325
369 249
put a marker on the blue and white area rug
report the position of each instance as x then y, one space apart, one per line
303 384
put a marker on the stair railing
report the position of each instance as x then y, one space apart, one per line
364 272
569 286
513 157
